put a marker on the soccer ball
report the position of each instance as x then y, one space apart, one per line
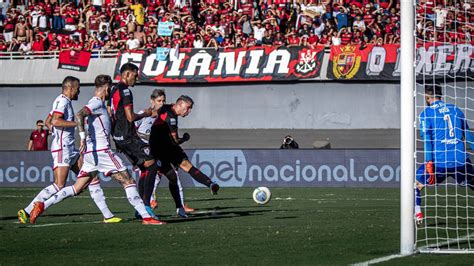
262 195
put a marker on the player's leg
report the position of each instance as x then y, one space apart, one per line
423 179
181 195
60 172
153 201
133 197
464 175
170 173
83 180
199 176
92 160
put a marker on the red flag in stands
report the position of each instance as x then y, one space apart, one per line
73 60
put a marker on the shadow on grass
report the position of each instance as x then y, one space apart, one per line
212 199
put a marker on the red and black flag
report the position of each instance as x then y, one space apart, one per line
74 60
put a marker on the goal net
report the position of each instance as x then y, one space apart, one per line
444 55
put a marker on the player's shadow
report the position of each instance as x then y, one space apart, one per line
214 215
211 199
285 217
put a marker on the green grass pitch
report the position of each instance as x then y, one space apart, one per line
299 226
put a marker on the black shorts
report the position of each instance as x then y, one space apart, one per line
135 149
173 154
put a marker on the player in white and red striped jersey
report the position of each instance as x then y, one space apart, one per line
98 156
65 155
143 126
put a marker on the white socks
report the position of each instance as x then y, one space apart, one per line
134 199
44 194
60 196
157 182
97 194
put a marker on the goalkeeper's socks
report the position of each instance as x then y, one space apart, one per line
97 194
136 201
417 197
44 194
197 175
60 196
417 209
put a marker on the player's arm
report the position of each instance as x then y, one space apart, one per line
426 135
466 130
80 117
177 139
57 120
132 116
48 124
30 143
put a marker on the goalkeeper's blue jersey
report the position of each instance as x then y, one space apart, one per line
443 129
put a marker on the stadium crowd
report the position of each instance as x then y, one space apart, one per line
35 26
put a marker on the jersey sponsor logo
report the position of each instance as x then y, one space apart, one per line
173 121
126 92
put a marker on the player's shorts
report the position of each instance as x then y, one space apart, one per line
462 174
173 154
66 157
105 161
135 149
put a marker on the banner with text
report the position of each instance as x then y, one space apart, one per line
74 60
224 65
351 62
241 168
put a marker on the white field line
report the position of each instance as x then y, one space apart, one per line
59 224
379 260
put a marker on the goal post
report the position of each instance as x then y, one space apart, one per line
407 123
437 47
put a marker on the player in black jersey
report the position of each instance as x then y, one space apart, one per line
165 143
124 132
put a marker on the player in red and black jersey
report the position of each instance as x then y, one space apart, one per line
125 135
165 142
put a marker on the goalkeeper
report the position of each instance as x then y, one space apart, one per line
444 131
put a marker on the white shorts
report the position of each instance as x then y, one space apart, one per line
65 157
106 162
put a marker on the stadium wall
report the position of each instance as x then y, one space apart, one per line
45 71
304 105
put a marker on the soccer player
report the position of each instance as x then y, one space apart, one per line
157 100
124 132
98 156
444 130
165 146
64 153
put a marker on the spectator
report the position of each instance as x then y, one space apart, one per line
39 138
38 46
132 43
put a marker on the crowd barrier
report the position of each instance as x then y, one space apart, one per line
241 168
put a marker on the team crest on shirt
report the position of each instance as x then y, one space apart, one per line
126 92
173 122
307 62
346 64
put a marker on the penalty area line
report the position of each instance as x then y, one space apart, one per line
381 259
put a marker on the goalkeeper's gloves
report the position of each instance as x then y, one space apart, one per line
430 169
